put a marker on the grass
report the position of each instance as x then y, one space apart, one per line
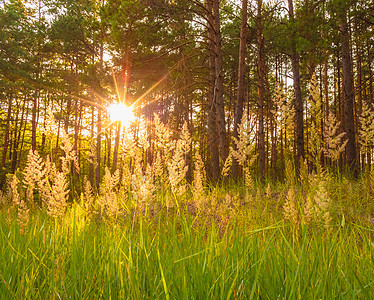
171 257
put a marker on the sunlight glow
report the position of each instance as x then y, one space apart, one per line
120 112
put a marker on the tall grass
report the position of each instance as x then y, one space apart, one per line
169 256
147 231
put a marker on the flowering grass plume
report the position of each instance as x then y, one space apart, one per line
198 183
290 207
57 196
366 130
107 200
70 154
33 175
334 141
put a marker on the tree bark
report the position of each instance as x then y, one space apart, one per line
370 71
359 99
240 91
108 148
92 167
370 91
7 129
67 115
326 83
351 154
33 120
98 149
219 101
213 150
17 139
299 110
13 142
58 132
260 90
116 147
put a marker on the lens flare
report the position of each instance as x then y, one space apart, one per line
120 112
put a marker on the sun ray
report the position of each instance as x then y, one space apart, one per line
158 83
116 85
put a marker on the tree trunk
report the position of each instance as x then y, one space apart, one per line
359 98
98 149
92 167
23 133
213 157
13 143
58 132
299 111
33 120
240 92
326 83
370 90
108 148
7 129
219 101
260 90
42 147
18 138
116 147
67 119
351 154
76 123
370 72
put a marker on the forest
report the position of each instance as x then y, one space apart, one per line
187 149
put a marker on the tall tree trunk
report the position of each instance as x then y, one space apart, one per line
351 154
7 129
370 90
92 166
326 83
108 147
260 90
58 132
18 138
220 104
13 142
370 72
76 123
77 110
67 119
359 98
213 150
340 106
116 147
98 149
299 111
23 133
240 92
33 120
42 147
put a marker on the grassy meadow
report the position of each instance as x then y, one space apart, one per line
236 251
149 232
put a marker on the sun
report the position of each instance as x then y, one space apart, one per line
120 112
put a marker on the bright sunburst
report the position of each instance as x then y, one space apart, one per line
122 113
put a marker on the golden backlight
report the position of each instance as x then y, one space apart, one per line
122 113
